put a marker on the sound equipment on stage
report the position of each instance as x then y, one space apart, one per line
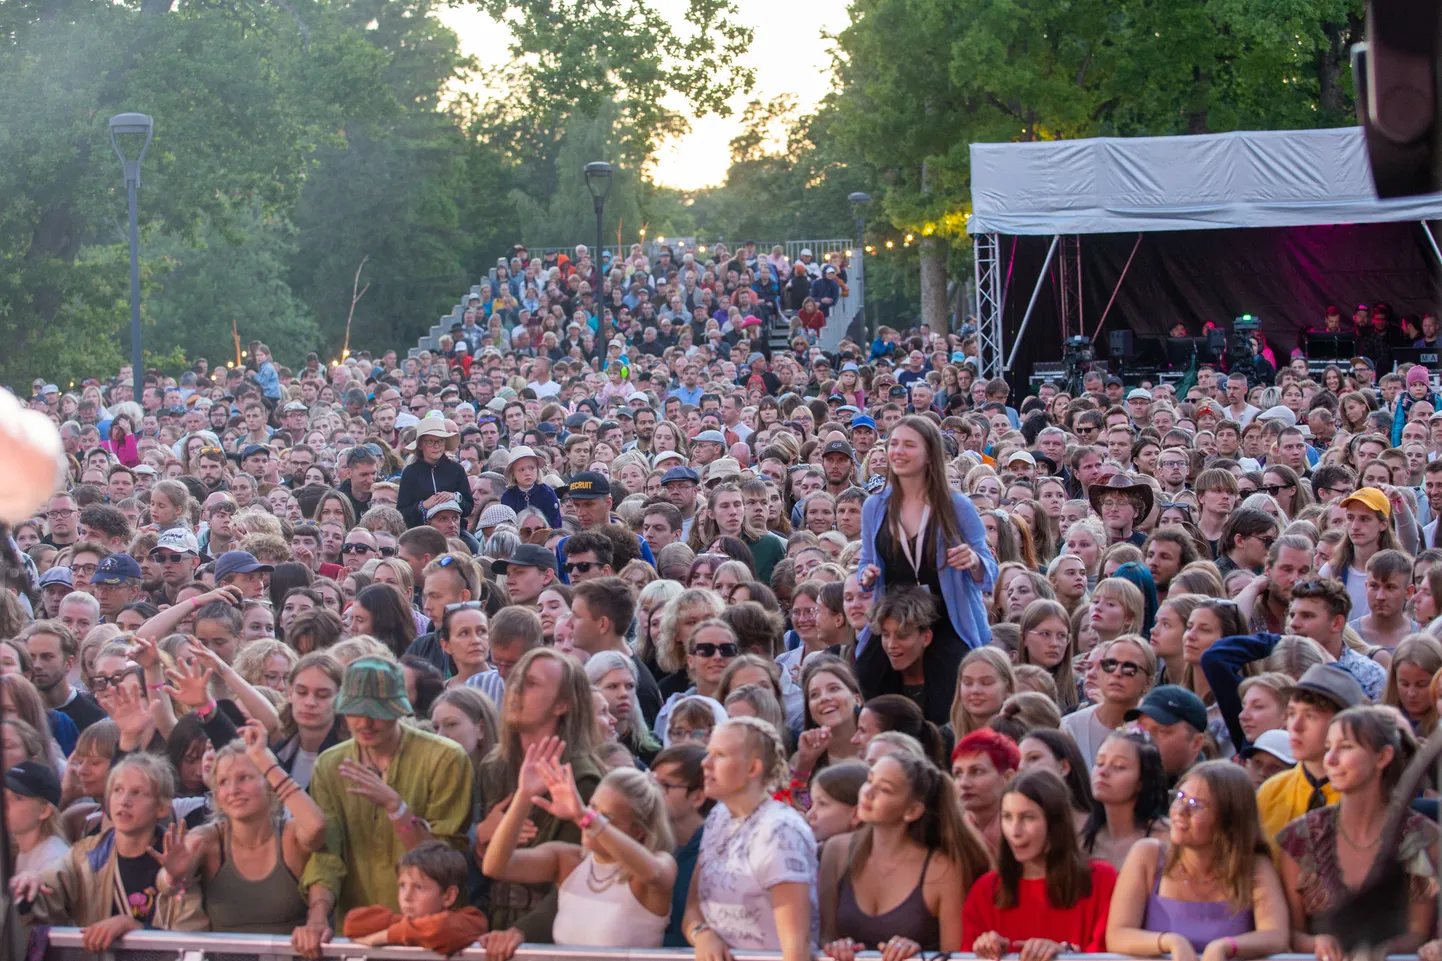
1329 346
1122 344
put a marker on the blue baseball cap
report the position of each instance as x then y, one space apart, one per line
116 569
237 562
863 420
680 474
958 356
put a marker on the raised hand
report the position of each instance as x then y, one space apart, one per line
810 746
257 747
530 780
565 802
175 855
190 684
129 710
144 652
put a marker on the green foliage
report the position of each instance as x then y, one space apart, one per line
575 56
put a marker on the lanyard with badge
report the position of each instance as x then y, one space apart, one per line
915 560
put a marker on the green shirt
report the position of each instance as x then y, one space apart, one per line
358 862
767 553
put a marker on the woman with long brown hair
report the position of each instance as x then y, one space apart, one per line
911 827
918 532
1210 889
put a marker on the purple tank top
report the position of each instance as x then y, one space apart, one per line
1200 922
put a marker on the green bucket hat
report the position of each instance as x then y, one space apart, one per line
374 687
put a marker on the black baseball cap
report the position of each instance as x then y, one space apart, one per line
588 485
527 555
33 779
1170 704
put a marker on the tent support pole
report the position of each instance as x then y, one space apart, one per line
1031 304
1115 290
1431 239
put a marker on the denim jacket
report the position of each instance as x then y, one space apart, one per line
964 597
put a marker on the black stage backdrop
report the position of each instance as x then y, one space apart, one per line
1286 276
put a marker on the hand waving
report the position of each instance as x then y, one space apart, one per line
565 803
256 746
531 781
190 684
144 652
176 855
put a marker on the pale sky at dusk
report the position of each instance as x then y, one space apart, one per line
787 52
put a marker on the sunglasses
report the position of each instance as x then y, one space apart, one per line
1111 665
388 552
725 649
169 558
356 549
580 567
1275 489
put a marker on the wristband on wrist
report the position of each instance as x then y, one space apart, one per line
587 818
1231 946
697 928
400 812
155 687
207 710
195 602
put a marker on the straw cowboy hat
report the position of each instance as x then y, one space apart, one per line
435 427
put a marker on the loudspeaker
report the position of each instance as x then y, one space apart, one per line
1122 344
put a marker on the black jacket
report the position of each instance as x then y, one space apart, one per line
421 480
359 507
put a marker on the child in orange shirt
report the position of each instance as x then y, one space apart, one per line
430 880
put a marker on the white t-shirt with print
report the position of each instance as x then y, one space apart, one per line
741 859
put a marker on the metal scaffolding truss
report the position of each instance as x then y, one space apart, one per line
1069 278
987 258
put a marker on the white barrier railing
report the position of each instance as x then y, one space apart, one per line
173 946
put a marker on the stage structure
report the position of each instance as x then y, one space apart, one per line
1275 224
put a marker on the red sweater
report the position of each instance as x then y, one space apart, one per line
1084 924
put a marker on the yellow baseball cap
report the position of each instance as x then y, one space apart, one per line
1371 498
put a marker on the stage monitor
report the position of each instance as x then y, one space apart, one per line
1426 356
1324 345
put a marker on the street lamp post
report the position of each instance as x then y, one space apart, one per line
598 182
133 124
859 202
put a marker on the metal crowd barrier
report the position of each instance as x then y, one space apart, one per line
170 946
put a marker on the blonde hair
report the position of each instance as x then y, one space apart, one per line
1129 596
648 806
962 723
670 652
156 769
764 742
354 648
250 660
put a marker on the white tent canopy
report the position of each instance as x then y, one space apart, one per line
1211 182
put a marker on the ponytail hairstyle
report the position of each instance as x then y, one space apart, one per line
941 827
1064 748
648 806
1068 870
899 713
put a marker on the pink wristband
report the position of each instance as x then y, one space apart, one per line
1231 947
586 819
208 710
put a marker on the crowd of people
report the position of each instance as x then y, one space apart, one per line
649 636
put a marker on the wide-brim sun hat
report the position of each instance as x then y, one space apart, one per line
434 427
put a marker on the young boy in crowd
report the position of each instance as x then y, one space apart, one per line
429 880
1389 585
1322 693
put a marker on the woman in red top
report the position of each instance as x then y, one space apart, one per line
1045 898
811 319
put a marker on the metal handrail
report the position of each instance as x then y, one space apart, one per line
198 945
